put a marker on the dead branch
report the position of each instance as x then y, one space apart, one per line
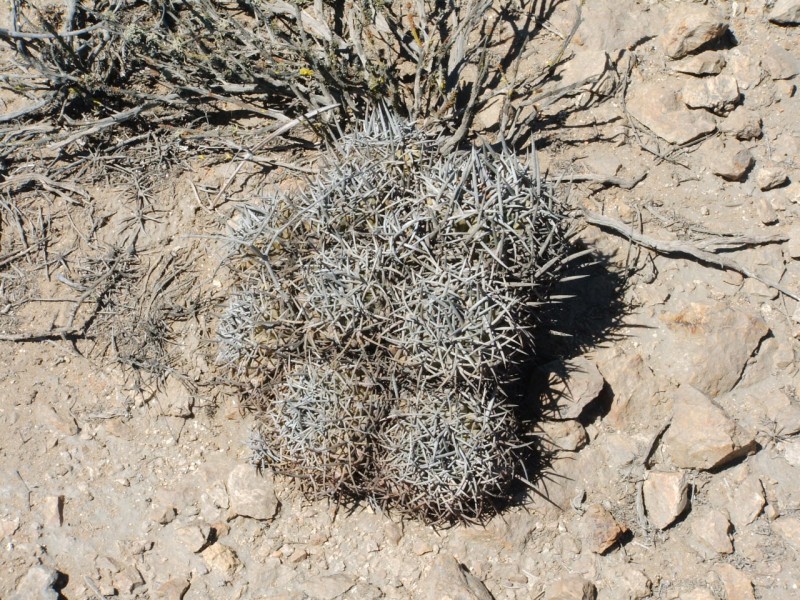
683 249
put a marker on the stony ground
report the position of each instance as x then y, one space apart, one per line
676 471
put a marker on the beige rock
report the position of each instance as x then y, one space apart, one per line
193 536
53 511
745 66
705 63
732 333
743 124
712 529
766 213
570 386
785 12
173 589
690 28
222 559
570 587
789 529
666 496
37 584
175 401
599 530
635 388
328 587
656 105
701 435
730 161
793 246
47 416
629 583
128 579
610 26
591 65
780 63
490 116
770 176
251 494
718 94
8 526
747 502
780 479
737 585
697 594
568 436
449 580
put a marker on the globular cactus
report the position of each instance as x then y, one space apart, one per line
429 272
447 456
319 427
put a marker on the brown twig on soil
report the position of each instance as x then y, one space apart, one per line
684 249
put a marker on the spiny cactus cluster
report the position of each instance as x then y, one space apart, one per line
393 302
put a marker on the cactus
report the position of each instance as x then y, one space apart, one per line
425 270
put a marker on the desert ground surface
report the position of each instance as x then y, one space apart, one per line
674 454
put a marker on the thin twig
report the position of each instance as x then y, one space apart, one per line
683 249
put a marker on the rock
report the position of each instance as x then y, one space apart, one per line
163 515
449 580
128 580
193 536
764 402
766 213
567 436
571 386
789 529
611 27
780 63
176 401
705 63
666 496
747 502
793 246
37 584
734 334
743 124
599 530
729 161
781 481
629 583
745 66
173 589
701 435
697 594
8 527
47 416
712 529
770 176
570 587
718 94
737 585
490 116
690 28
251 494
53 511
785 12
222 559
635 390
592 65
656 106
328 587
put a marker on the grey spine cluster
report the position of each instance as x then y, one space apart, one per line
393 302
